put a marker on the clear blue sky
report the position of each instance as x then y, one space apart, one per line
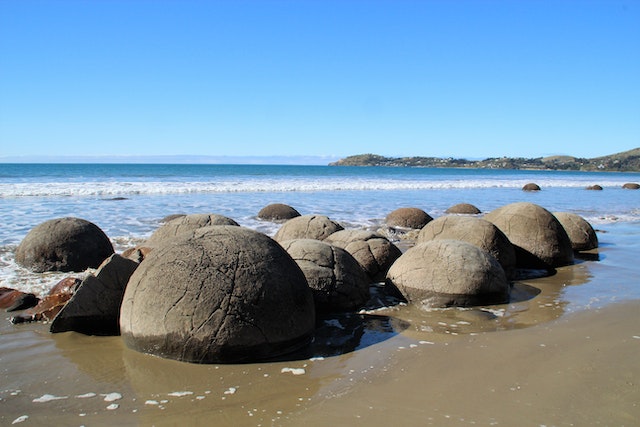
456 78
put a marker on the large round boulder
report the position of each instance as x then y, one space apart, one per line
336 279
631 186
583 237
538 237
63 244
222 294
316 227
443 273
278 212
476 231
464 209
414 218
185 224
374 252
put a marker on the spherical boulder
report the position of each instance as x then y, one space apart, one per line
539 239
185 224
221 294
595 187
374 252
463 208
476 231
583 237
443 273
631 186
532 186
278 212
307 227
414 218
337 281
63 244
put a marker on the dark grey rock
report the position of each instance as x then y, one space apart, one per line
63 244
538 237
278 212
337 281
374 252
443 273
316 227
221 294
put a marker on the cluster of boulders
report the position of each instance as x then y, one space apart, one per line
204 289
532 186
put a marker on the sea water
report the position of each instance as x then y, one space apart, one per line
128 201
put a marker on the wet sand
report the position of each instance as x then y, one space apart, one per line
563 352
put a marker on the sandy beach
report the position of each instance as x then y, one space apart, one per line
563 352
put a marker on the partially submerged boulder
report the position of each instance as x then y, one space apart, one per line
185 224
594 187
532 186
476 231
443 273
337 281
222 294
316 227
464 209
631 186
94 308
414 218
63 244
374 252
278 212
582 236
539 239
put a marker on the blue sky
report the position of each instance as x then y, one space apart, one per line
470 79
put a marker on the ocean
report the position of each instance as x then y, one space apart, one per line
562 357
127 201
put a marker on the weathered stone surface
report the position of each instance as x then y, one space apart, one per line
532 186
594 187
374 252
414 218
631 186
538 237
583 237
476 231
63 244
94 309
137 254
316 227
442 273
337 281
185 224
463 208
221 294
278 212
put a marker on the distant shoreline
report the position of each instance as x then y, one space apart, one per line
627 161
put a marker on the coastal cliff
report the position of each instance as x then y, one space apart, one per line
627 161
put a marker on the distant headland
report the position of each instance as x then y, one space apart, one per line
627 161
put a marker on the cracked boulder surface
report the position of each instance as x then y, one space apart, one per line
336 279
476 231
540 241
413 218
277 212
445 273
63 244
582 235
316 227
185 224
221 294
374 252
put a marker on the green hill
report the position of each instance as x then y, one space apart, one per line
627 161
